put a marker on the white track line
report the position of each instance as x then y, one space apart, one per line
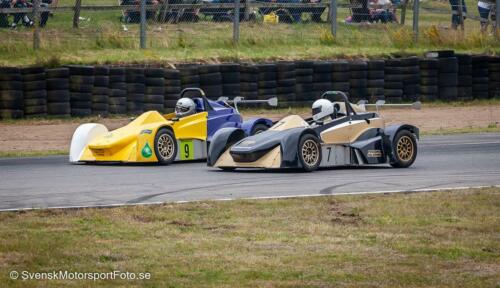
255 198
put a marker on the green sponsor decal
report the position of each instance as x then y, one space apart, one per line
187 150
146 151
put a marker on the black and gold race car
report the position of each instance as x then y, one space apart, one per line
349 135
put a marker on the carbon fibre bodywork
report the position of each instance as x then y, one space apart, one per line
357 139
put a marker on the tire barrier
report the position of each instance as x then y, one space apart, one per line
375 82
136 88
154 98
11 93
117 91
76 90
81 84
173 86
35 92
100 92
58 94
230 74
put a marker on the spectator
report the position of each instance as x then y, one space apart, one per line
4 18
486 10
21 16
135 16
44 16
383 11
455 17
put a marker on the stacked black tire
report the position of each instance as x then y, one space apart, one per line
11 93
480 77
322 78
190 79
35 92
393 80
58 94
375 82
230 80
211 80
100 93
172 89
341 76
464 91
429 71
117 91
285 74
136 88
81 84
494 71
358 81
249 87
411 78
154 99
448 78
267 81
304 89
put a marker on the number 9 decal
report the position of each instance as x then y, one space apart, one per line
186 151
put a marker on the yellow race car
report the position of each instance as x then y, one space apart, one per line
153 137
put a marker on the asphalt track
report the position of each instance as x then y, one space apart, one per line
443 161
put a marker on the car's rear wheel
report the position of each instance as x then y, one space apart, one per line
165 146
404 149
309 152
259 128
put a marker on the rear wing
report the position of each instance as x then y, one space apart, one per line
271 101
381 103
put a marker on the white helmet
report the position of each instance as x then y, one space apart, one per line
185 107
321 109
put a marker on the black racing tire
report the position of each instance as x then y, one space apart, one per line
448 79
173 89
404 149
165 146
465 70
341 86
117 101
155 82
11 85
97 98
393 93
258 128
359 74
249 86
374 65
82 88
268 67
429 89
340 66
448 65
116 71
117 79
117 109
429 73
429 81
286 82
267 84
410 61
32 70
81 80
304 72
59 109
58 96
153 107
285 89
375 82
76 96
396 62
35 102
358 66
172 74
100 90
57 73
376 74
11 77
154 99
78 112
81 104
229 67
173 83
309 152
393 85
358 82
169 104
101 81
155 90
393 77
118 86
231 89
323 67
34 77
135 88
267 76
58 84
209 69
117 93
11 114
210 78
304 79
35 86
284 75
136 78
154 72
81 70
230 77
249 77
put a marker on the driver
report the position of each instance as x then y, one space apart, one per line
322 111
185 107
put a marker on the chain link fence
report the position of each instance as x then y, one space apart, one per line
200 24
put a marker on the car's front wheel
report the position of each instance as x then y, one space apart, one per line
259 128
404 149
309 152
165 146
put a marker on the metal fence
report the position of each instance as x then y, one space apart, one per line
187 23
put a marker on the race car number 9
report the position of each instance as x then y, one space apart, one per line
187 150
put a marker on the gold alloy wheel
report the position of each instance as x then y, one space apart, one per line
405 148
310 152
166 146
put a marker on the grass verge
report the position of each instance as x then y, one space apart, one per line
442 239
42 153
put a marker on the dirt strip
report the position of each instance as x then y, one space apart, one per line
56 134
